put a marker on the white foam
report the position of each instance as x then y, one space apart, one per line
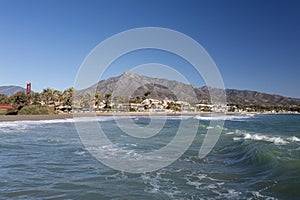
294 139
239 117
257 137
170 117
21 126
157 184
196 184
116 152
79 153
7 127
236 139
203 181
230 133
260 196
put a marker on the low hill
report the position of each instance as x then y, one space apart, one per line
10 90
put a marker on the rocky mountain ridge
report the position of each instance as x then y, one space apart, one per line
133 85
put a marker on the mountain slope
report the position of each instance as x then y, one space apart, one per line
10 90
247 97
132 85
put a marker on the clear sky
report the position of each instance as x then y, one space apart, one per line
255 44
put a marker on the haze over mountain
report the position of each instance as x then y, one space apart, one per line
131 85
10 90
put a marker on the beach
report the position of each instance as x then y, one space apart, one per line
34 117
91 114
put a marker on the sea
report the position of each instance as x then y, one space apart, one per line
257 156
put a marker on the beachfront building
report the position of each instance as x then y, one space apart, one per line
183 105
137 107
220 108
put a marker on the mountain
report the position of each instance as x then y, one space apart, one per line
247 97
132 85
10 90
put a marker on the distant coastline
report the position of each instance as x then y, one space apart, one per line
146 95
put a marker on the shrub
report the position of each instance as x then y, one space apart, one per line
36 110
3 111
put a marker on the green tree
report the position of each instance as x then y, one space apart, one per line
173 106
47 96
97 100
107 100
19 100
4 99
35 98
147 93
68 96
138 99
57 97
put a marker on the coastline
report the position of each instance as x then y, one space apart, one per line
4 118
71 115
68 116
34 117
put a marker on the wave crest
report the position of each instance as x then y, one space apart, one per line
239 117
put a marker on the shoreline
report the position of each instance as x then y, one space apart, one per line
4 118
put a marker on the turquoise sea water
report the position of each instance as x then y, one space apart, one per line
256 157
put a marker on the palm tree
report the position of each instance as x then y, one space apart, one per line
97 100
107 97
57 97
47 96
67 96
35 98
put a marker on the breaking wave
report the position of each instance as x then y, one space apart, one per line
239 117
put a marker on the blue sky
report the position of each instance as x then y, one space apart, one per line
255 44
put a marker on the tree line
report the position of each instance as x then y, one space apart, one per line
42 103
51 101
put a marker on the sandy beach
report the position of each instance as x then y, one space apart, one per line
34 117
67 116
